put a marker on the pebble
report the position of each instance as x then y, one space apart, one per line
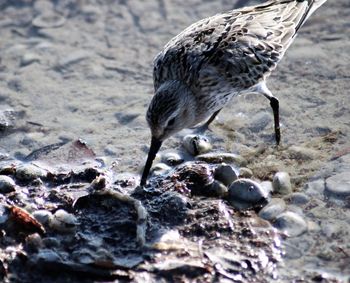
172 158
291 224
296 209
7 185
48 256
281 183
43 216
196 144
267 186
274 208
217 189
160 169
220 157
48 20
245 172
297 198
302 153
225 174
63 221
338 186
34 242
315 188
29 172
245 193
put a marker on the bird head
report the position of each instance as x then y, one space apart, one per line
172 109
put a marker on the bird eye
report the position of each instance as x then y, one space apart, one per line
171 122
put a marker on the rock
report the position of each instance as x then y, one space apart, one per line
301 153
196 144
245 172
296 209
47 255
29 58
274 208
220 157
29 172
48 20
291 224
64 222
267 186
172 158
225 174
7 185
315 188
216 189
245 193
297 198
338 186
160 169
281 183
43 216
34 242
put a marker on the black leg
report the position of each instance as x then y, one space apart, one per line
212 118
205 126
275 108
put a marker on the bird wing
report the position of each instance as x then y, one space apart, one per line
242 46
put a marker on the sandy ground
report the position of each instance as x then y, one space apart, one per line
83 69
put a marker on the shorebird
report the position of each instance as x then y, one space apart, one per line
217 58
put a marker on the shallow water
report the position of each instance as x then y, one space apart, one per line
91 78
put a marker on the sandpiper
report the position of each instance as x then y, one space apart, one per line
219 57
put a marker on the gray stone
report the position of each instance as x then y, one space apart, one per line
315 188
245 172
217 189
48 20
172 158
29 172
160 169
338 186
248 191
291 224
220 157
7 185
267 186
225 174
298 198
274 208
43 216
281 183
63 222
301 153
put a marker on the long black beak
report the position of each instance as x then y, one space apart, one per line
155 145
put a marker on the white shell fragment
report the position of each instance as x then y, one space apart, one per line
196 144
64 222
